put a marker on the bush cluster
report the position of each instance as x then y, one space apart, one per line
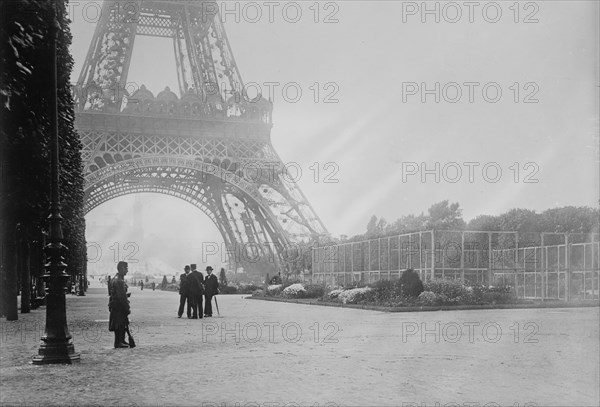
455 292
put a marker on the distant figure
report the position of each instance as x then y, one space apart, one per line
118 306
141 285
196 287
153 286
211 288
184 293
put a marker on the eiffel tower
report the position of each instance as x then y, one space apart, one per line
210 147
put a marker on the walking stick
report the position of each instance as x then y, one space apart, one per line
217 304
131 341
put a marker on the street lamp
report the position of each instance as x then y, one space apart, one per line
56 343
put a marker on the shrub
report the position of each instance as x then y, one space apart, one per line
275 280
294 291
258 293
386 292
501 294
314 291
412 286
355 295
274 290
333 295
427 298
449 291
228 289
354 284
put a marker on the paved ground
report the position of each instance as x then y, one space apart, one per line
262 353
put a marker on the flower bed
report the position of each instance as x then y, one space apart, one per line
406 291
294 291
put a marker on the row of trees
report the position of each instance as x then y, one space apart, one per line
448 216
25 90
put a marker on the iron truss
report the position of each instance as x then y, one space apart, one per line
205 147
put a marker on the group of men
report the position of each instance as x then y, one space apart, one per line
192 287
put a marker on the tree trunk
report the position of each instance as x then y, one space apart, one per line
10 288
25 262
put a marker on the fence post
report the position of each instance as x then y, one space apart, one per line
490 272
462 256
543 269
422 270
389 259
516 261
567 268
432 254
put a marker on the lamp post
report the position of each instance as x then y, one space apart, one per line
56 343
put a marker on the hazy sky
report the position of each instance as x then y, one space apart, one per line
374 59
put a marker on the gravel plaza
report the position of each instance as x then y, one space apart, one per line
259 353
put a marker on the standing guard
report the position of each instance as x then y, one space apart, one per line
118 306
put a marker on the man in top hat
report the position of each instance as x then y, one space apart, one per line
118 306
196 289
211 288
184 293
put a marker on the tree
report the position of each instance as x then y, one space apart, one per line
376 227
372 226
407 224
25 89
484 222
570 219
520 220
443 216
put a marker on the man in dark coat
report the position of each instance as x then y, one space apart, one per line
118 306
184 293
211 288
196 287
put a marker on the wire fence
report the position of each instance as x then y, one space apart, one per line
538 265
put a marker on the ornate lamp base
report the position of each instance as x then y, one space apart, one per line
56 351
